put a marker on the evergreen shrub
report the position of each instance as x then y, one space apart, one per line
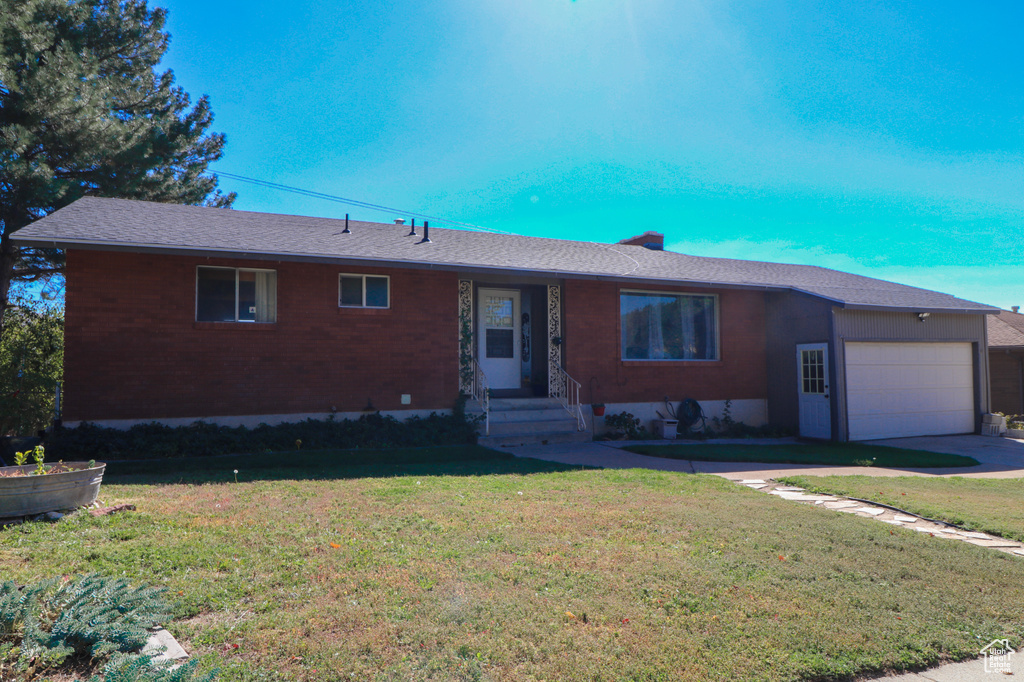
153 440
105 621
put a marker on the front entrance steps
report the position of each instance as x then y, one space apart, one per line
527 421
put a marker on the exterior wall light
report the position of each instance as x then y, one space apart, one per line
921 317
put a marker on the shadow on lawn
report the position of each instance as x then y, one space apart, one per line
463 460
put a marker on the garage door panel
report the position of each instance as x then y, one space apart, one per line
909 389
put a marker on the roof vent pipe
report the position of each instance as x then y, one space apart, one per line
346 230
1015 308
412 232
426 234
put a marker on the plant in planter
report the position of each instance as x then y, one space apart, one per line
598 409
65 485
625 425
38 455
1015 426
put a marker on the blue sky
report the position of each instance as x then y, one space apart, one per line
883 138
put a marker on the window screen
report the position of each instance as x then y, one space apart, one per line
364 291
235 295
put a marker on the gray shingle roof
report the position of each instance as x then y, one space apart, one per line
1005 330
137 225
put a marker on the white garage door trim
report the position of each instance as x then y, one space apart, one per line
896 390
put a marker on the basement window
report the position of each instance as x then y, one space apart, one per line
668 326
235 295
364 291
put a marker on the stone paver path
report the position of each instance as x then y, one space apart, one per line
884 514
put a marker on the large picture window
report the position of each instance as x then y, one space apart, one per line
235 295
663 326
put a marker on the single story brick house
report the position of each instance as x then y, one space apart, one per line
178 313
1006 361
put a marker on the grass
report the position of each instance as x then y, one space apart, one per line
459 460
835 454
983 504
510 569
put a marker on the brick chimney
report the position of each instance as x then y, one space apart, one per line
649 240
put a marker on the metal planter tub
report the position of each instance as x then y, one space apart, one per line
27 495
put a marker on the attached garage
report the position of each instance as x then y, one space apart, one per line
901 364
896 390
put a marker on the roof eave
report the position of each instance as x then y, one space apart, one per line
137 247
921 309
182 250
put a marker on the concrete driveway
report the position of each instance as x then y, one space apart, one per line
999 457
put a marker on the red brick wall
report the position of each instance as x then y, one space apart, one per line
593 355
134 350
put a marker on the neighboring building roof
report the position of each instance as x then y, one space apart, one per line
145 226
1005 330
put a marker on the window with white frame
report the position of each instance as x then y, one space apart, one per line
235 294
668 326
364 291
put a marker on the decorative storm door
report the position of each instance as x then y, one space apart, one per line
812 377
499 346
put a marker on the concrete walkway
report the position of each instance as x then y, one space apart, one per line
999 457
966 671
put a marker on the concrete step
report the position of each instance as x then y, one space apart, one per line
535 439
521 409
562 424
528 421
549 414
512 404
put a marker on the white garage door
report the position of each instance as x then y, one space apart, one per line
909 389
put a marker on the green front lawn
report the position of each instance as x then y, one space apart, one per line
507 569
460 460
990 505
833 454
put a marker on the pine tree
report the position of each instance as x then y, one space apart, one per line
83 112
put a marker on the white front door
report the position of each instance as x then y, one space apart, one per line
812 385
498 343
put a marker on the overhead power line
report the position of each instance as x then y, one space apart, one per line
389 209
354 202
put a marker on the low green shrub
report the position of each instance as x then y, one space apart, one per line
625 425
48 624
133 668
153 440
1013 421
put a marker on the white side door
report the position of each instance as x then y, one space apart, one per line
812 386
499 348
